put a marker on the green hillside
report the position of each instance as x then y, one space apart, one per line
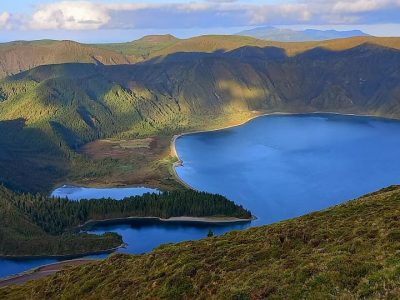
349 251
55 110
141 48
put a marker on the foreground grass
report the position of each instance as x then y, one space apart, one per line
345 252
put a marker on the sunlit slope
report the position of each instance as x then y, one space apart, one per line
349 251
142 48
20 56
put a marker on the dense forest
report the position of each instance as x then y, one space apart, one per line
55 215
20 236
39 225
350 251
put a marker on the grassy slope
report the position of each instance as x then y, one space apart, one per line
345 252
20 56
72 104
20 236
141 48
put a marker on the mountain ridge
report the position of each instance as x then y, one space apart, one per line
23 55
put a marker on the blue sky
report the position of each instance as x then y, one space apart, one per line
124 20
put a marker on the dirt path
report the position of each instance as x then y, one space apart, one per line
41 272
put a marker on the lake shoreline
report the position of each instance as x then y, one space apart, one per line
22 277
179 162
181 219
63 257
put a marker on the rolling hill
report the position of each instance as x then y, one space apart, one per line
349 251
73 104
143 47
22 55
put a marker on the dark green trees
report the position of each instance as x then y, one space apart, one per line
55 215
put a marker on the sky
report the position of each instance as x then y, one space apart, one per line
126 20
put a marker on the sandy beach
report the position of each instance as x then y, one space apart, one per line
210 220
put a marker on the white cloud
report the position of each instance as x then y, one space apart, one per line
71 15
4 18
360 5
222 1
90 15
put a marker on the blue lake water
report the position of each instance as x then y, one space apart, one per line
279 167
118 193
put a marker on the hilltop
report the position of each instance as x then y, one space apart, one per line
347 251
143 47
23 55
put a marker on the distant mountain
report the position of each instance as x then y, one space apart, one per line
289 35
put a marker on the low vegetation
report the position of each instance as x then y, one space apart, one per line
350 251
